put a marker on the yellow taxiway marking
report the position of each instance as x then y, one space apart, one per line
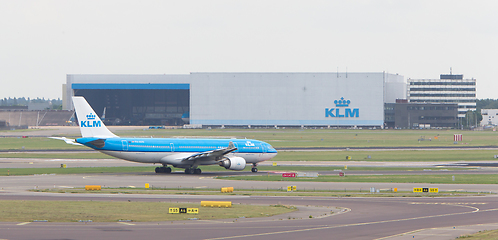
24 223
127 223
350 225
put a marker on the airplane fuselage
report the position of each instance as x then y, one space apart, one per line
171 151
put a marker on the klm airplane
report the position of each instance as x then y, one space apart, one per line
232 154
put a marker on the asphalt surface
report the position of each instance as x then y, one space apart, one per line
357 218
332 218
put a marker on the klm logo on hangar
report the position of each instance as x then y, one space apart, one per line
340 112
89 123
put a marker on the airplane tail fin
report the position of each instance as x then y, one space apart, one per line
90 123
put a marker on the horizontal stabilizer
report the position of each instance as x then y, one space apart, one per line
67 140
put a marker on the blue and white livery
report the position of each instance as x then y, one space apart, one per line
233 154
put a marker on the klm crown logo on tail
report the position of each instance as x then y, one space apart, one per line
90 116
89 123
336 112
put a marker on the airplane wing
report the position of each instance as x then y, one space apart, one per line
68 140
211 155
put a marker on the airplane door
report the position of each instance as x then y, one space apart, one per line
172 146
263 148
124 143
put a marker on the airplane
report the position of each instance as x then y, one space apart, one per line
232 154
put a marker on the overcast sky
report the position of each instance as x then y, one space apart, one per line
42 41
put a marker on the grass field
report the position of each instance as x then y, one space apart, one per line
325 156
102 211
77 170
336 137
482 235
261 192
294 138
388 156
441 178
212 168
375 156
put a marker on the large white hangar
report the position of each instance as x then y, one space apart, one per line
239 99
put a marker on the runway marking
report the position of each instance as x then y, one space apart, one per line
456 203
126 223
351 225
24 223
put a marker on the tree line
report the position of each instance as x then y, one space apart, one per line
56 103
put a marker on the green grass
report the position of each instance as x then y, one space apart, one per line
388 156
336 137
481 235
259 192
325 156
77 170
56 155
35 143
102 211
442 178
293 138
212 168
349 168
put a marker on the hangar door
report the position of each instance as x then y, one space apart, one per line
138 104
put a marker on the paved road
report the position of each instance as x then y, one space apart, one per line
359 218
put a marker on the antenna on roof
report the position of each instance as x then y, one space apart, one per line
451 71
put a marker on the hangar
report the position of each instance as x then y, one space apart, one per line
239 99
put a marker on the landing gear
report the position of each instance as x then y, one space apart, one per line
254 168
163 170
193 170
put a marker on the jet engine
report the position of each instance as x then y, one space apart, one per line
234 163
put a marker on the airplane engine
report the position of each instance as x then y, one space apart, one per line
234 163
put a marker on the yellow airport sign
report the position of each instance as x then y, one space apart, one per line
434 190
92 187
226 189
146 185
192 210
174 210
215 204
426 190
